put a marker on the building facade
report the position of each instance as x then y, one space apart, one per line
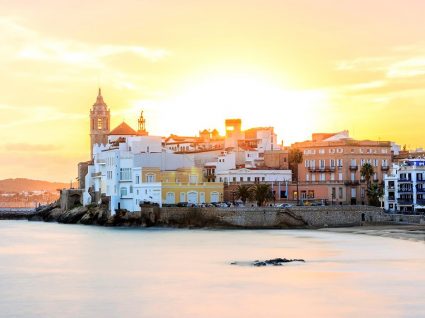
405 187
331 168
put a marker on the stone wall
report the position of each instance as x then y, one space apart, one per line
69 198
296 217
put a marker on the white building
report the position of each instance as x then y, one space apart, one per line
117 169
405 187
245 175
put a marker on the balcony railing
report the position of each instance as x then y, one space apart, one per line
385 167
101 161
96 174
420 201
404 202
405 190
404 180
352 182
322 169
420 190
354 167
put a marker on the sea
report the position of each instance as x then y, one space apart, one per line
55 270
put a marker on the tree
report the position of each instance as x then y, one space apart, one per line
262 192
374 192
367 172
244 193
295 157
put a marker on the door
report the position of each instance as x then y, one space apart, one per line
214 197
192 197
171 198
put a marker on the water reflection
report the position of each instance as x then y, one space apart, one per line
51 270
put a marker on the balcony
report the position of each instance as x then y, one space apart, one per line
96 174
354 167
420 201
352 183
420 190
385 168
403 180
402 191
405 201
322 169
101 162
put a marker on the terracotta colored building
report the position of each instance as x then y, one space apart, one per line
331 167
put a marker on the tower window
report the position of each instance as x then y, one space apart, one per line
99 123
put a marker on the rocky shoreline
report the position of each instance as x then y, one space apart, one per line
192 218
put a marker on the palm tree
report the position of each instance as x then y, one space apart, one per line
367 172
295 157
374 192
262 192
244 193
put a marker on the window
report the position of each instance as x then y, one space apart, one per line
375 162
263 178
150 177
313 177
339 162
234 179
193 179
240 179
362 193
99 123
137 179
322 177
131 189
125 174
352 176
340 193
123 191
332 163
340 176
307 177
321 151
332 176
249 178
322 163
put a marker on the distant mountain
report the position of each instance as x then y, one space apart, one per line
22 184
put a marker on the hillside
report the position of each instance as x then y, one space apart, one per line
22 184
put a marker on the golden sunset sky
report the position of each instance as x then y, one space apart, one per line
301 66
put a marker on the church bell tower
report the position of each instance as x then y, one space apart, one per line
99 123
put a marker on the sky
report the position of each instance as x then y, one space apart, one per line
302 66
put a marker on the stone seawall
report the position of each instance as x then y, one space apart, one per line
296 217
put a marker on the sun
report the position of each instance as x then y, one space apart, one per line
259 101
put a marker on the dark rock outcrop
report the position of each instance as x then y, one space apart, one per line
72 216
275 262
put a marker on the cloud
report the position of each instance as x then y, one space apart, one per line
23 43
26 147
403 69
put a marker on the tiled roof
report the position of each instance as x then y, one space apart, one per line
122 130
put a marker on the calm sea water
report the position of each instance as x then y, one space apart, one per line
53 270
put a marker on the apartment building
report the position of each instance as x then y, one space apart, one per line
331 167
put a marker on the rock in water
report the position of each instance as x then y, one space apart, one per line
275 262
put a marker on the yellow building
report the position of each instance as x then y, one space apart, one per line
184 185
